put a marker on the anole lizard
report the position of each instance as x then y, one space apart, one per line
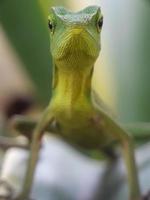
72 112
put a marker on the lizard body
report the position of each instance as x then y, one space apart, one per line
72 113
74 52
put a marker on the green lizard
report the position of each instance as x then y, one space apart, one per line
72 112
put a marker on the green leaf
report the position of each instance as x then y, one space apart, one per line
26 28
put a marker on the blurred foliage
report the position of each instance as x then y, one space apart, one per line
142 62
127 32
46 4
25 23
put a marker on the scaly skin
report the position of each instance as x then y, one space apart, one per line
72 112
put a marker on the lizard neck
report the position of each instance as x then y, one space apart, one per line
72 84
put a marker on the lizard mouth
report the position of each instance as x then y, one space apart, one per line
76 43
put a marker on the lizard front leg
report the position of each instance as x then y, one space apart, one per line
128 153
125 140
46 119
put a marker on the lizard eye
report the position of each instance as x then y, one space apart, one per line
100 23
50 25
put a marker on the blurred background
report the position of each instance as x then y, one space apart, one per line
122 71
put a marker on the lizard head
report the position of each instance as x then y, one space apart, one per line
75 36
